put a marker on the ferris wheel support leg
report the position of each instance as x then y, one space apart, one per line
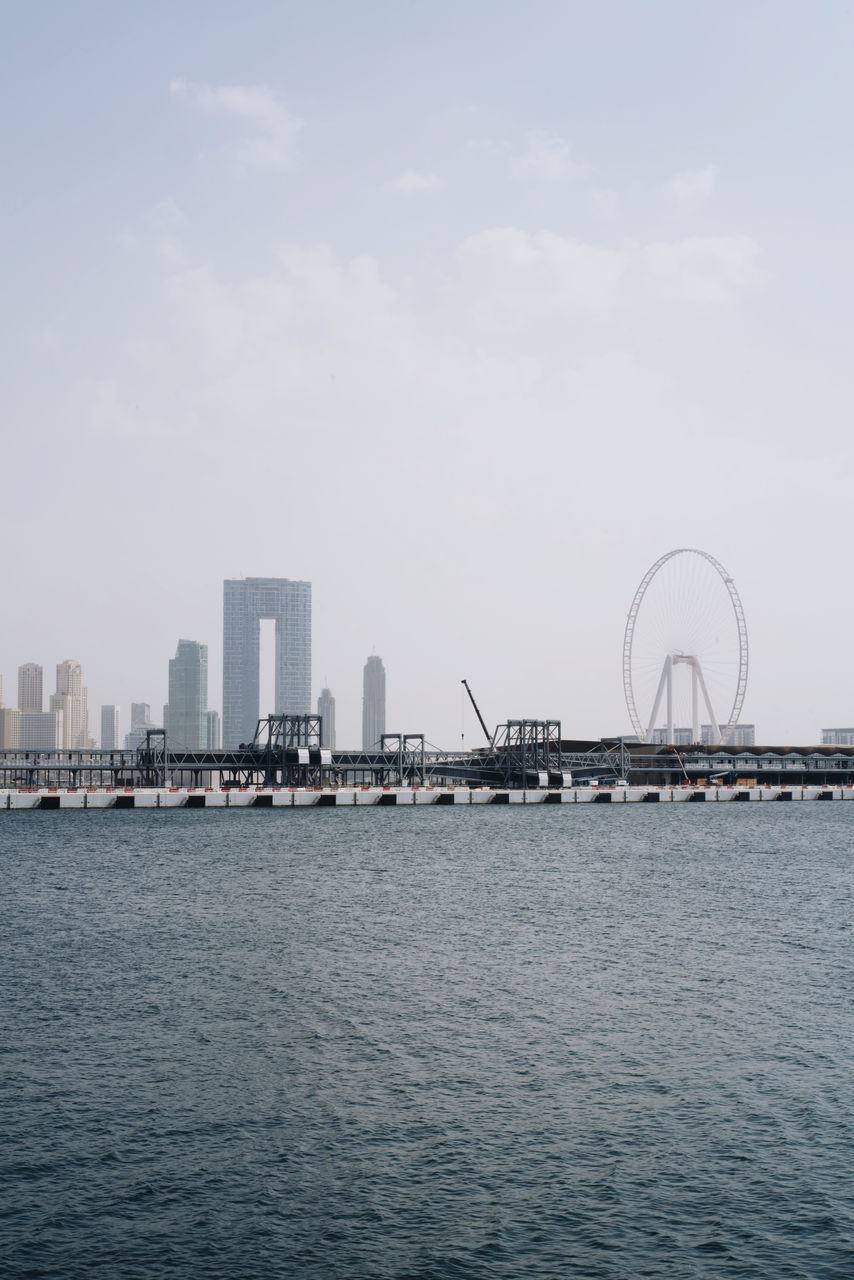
695 719
716 732
666 678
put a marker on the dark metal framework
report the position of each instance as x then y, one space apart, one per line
408 748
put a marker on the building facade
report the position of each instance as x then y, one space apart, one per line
743 735
837 737
373 703
42 731
245 602
185 714
30 687
326 711
212 729
72 699
110 728
10 728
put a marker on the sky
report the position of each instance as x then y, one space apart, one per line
464 312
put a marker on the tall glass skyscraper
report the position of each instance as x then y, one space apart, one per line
185 714
326 711
245 602
373 703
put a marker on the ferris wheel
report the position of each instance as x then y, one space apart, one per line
685 650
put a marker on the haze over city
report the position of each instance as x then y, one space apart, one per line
465 314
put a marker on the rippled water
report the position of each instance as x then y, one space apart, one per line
548 1042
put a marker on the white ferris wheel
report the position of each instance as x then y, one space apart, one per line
685 650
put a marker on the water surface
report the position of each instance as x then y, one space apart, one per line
586 1041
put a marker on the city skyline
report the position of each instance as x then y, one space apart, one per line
593 266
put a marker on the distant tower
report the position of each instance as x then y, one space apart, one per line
140 716
326 710
185 715
245 602
72 699
212 729
373 703
30 687
109 728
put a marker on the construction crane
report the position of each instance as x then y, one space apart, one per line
487 734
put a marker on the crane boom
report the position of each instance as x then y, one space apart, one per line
477 711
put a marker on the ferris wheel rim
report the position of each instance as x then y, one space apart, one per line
741 627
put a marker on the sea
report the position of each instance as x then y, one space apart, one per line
428 1044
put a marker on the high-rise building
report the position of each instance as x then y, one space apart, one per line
109 728
373 703
72 699
140 722
10 728
140 716
837 737
42 730
245 602
30 687
326 711
184 716
212 728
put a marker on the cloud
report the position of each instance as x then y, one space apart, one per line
546 157
271 147
514 276
692 187
412 183
707 269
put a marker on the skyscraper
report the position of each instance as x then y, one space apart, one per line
140 716
140 721
109 728
326 710
245 602
212 730
373 703
72 699
30 687
185 714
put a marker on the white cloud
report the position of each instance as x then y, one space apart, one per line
702 268
411 183
272 146
546 157
692 187
514 276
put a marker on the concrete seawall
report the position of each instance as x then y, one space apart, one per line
327 797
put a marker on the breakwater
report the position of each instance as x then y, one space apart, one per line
325 797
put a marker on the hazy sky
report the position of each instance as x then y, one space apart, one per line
465 312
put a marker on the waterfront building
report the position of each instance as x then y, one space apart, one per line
109 728
72 699
326 711
185 714
42 730
245 602
743 735
837 737
373 703
10 728
212 727
30 687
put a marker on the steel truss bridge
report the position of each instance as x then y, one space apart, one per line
286 752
